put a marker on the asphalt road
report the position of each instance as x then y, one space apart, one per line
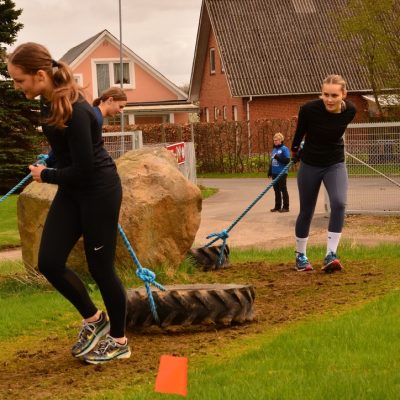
260 227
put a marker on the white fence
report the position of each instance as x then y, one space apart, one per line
118 143
373 164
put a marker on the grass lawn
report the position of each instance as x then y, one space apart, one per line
316 336
9 235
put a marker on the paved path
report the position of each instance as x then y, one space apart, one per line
260 227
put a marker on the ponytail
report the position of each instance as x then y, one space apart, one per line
116 93
32 57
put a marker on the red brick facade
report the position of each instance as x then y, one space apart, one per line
215 95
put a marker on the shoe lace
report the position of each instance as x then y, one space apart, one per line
302 259
86 330
331 256
105 344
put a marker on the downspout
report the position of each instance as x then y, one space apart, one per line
248 124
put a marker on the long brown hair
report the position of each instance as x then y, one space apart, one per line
115 92
32 57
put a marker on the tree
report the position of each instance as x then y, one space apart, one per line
375 25
19 117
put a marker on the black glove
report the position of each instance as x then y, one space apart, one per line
295 155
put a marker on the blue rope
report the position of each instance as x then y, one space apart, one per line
41 159
147 276
224 234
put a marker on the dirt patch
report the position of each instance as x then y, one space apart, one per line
35 367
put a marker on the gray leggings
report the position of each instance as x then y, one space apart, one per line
309 180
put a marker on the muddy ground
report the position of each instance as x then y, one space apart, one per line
34 367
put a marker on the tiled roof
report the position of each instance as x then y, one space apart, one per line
76 51
277 47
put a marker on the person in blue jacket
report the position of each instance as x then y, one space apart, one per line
280 157
87 202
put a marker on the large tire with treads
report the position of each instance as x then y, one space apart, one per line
220 304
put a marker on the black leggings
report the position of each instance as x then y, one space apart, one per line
281 193
309 179
95 216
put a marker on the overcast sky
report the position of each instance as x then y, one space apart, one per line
162 32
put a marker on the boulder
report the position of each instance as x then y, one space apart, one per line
160 212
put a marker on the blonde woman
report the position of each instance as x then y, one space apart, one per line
87 201
322 123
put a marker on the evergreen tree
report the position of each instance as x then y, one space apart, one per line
19 117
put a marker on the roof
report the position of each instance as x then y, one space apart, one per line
277 47
72 54
162 106
385 100
75 55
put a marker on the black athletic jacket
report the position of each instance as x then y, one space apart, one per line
323 131
82 161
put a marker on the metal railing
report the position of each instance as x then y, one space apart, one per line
373 164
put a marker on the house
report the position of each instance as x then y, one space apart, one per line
152 98
257 59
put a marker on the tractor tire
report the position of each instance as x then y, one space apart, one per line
200 304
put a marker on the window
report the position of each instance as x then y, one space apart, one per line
108 73
207 113
125 74
78 79
234 113
216 113
116 120
212 61
224 113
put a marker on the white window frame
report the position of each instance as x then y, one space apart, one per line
79 79
207 112
224 113
216 113
234 113
111 62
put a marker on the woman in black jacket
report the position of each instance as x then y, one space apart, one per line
87 201
322 123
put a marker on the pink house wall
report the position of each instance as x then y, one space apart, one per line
146 87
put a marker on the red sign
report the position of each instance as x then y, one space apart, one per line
178 150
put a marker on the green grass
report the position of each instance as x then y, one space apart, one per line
207 191
347 251
348 355
237 175
9 235
345 357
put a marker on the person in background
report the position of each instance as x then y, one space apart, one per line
322 123
87 202
110 103
280 157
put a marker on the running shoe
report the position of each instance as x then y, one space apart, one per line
302 263
107 350
90 334
331 263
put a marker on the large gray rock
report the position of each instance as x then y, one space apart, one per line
160 212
